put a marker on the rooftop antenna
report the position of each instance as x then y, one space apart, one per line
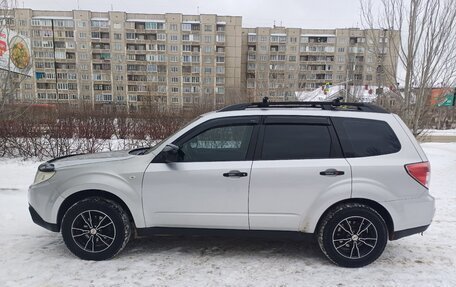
112 7
78 4
274 24
197 10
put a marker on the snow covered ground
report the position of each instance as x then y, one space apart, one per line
450 132
32 256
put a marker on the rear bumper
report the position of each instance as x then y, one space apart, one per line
407 232
40 221
411 214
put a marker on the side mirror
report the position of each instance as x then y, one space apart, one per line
170 153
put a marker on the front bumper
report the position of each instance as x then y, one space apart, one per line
40 221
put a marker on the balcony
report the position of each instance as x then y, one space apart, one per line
102 67
101 46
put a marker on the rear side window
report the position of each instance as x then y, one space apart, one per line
296 141
363 137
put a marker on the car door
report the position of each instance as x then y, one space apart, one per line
297 166
208 185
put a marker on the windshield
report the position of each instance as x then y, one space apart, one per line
152 148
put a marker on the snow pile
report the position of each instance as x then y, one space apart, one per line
32 256
362 93
450 132
318 95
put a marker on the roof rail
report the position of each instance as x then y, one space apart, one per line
334 105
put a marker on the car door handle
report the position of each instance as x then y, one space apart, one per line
234 173
332 172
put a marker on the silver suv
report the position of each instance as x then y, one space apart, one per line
350 173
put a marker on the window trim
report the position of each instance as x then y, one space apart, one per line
336 150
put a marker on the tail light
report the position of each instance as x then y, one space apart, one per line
420 172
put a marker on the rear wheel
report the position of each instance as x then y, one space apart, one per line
352 235
95 228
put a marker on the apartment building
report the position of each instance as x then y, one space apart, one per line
131 59
279 61
180 61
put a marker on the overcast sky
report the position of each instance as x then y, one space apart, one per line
291 13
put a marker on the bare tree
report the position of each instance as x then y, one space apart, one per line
426 50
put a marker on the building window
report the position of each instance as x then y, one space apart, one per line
219 90
207 39
155 26
220 38
100 23
173 27
186 27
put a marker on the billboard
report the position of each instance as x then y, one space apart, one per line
15 53
448 101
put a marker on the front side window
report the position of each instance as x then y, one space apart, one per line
296 141
225 143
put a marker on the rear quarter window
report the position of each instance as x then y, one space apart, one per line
364 137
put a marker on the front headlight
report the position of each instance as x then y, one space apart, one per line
43 176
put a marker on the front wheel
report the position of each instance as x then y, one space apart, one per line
352 235
95 228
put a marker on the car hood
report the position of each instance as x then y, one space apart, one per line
90 158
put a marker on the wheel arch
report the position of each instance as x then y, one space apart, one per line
373 204
75 197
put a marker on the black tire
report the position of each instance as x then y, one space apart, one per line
352 235
95 228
